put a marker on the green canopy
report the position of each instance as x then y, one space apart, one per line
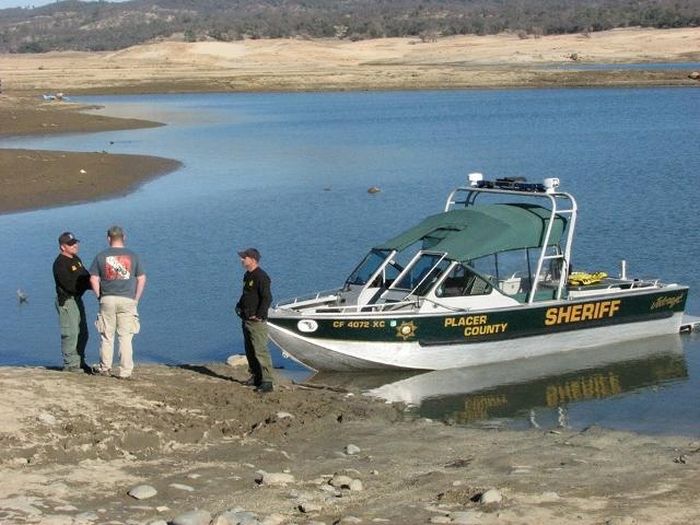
470 233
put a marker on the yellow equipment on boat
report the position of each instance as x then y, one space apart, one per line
584 278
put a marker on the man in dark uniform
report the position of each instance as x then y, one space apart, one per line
72 279
252 309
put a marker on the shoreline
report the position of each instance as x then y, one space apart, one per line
76 445
40 179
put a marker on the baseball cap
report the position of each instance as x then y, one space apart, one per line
67 238
250 252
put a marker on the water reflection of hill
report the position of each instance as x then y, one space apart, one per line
517 388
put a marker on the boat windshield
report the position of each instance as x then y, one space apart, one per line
368 267
423 273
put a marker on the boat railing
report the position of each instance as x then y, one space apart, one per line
366 308
613 286
467 195
309 299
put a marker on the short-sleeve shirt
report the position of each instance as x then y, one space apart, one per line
117 269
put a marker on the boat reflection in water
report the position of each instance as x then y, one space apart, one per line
538 389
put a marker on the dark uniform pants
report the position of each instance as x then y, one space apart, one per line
74 333
259 362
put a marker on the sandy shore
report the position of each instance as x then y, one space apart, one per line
74 446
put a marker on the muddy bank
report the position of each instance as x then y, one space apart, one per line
39 179
73 446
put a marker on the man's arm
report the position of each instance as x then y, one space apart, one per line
95 285
265 298
140 285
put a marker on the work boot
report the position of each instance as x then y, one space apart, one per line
264 387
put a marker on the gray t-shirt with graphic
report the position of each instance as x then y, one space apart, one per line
117 269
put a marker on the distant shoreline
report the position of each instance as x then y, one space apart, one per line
287 65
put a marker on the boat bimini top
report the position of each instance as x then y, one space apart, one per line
466 232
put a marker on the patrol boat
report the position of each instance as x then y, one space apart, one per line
488 279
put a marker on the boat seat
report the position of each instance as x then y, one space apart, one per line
453 287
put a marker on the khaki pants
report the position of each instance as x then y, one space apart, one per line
118 315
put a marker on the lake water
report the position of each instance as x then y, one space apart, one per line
289 173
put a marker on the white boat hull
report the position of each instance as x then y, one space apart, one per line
344 355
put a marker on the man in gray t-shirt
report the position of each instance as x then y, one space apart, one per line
117 277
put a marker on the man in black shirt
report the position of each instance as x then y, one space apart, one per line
252 309
72 279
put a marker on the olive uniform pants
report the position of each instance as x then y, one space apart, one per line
259 361
74 333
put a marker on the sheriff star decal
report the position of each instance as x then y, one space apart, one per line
406 330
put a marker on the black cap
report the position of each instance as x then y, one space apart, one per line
250 252
67 238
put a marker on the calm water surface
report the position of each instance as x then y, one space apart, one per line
289 173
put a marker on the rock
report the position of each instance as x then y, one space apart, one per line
373 189
236 360
235 517
351 449
440 519
47 419
464 517
349 519
142 492
193 517
695 75
491 496
284 415
310 506
274 478
65 508
340 482
328 489
180 486
356 485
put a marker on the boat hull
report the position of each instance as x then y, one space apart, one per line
365 341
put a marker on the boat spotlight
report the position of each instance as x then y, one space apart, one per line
551 184
475 178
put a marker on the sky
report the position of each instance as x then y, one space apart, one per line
31 3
